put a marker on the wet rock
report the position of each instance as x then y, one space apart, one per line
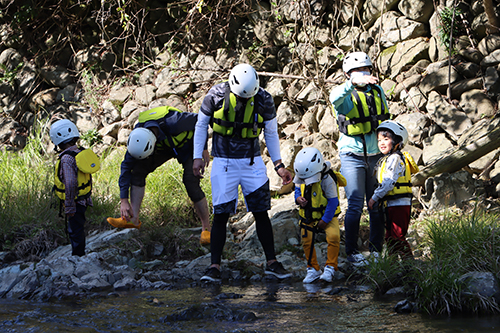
213 312
405 306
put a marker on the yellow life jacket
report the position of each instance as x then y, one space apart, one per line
317 202
402 188
87 163
368 112
224 120
158 114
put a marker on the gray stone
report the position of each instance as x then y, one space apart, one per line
453 121
434 147
439 80
119 95
396 28
393 59
476 105
145 94
481 283
489 44
417 10
447 190
57 76
459 87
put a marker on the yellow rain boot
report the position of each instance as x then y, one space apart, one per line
121 223
205 237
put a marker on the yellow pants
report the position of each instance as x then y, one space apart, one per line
332 238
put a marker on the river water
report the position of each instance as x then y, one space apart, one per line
261 307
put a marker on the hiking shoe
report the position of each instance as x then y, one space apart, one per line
374 257
121 223
205 237
276 269
328 274
212 274
312 275
357 260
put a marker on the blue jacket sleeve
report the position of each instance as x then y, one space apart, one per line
297 193
330 209
340 97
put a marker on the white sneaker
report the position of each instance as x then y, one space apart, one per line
328 274
357 260
312 275
374 256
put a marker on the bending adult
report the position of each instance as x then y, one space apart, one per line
238 110
161 134
360 106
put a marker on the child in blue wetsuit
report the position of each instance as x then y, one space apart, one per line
316 192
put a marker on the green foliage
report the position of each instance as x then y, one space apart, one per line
91 137
446 29
92 89
276 13
386 273
458 244
24 15
8 76
26 184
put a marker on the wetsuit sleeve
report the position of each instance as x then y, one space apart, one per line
330 192
69 173
393 170
126 175
272 139
340 98
297 193
200 135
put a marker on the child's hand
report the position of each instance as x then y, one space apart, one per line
322 224
371 203
301 201
126 211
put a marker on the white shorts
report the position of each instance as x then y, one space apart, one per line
228 173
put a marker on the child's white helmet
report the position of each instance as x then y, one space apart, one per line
141 143
396 128
356 60
308 165
244 81
63 130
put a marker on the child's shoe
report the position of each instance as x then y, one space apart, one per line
328 274
121 223
312 275
205 237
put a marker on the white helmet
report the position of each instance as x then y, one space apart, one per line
244 81
141 143
396 128
308 165
63 130
355 60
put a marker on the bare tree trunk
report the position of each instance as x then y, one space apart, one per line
461 156
489 9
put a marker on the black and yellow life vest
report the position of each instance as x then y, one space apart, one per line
159 114
316 201
87 163
368 112
224 120
402 188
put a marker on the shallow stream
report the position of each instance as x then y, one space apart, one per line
263 307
